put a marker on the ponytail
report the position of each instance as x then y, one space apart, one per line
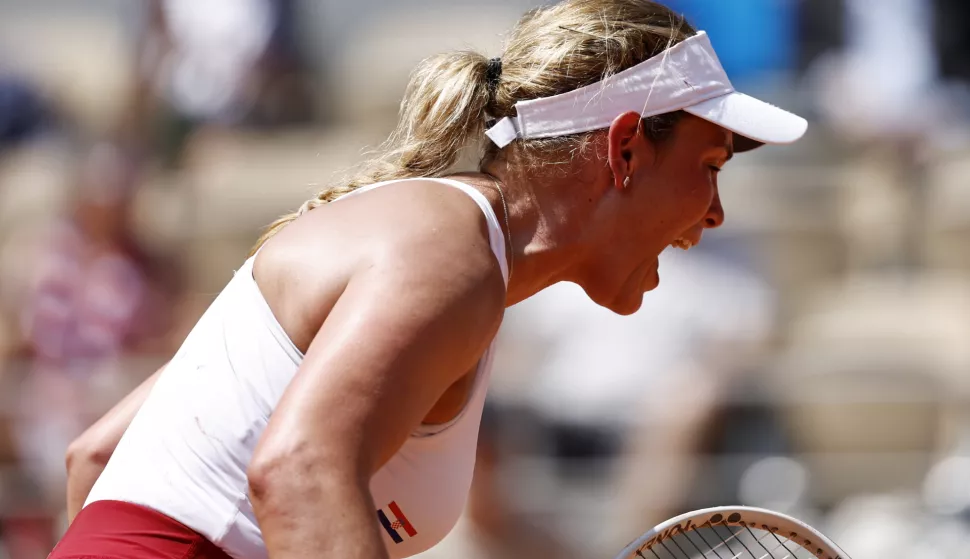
552 50
443 107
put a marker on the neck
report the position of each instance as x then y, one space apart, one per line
544 232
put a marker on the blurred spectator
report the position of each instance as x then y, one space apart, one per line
888 50
26 537
23 112
628 420
24 115
94 298
895 67
96 292
821 30
952 38
221 63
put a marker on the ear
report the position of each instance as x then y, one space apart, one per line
623 137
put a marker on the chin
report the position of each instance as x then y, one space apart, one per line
652 281
626 309
630 298
621 304
626 303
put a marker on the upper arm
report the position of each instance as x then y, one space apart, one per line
402 332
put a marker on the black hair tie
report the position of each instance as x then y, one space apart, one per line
493 72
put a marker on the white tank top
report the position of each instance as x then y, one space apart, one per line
186 452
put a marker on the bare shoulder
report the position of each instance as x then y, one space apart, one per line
437 241
424 228
420 301
419 244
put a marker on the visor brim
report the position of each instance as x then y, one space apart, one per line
753 121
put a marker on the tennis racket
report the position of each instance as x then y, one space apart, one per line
733 533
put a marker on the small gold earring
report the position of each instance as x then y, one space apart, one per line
626 182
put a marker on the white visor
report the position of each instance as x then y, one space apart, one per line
687 76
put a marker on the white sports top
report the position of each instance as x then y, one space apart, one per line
186 451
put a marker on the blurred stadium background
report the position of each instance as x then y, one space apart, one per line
813 356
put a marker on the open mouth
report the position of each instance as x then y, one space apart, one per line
682 243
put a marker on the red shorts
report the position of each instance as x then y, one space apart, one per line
117 530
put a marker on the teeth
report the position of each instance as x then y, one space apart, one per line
682 244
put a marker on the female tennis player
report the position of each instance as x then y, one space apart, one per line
327 404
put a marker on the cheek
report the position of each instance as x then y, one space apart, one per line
691 200
702 199
681 203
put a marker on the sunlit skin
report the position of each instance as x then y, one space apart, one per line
672 195
407 273
592 229
385 300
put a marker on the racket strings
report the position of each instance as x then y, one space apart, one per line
758 540
711 542
783 544
711 548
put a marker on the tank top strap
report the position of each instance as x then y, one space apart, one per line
496 237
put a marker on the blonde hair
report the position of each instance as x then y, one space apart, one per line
551 50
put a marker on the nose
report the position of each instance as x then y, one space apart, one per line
715 214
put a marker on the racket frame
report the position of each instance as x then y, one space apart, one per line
783 525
